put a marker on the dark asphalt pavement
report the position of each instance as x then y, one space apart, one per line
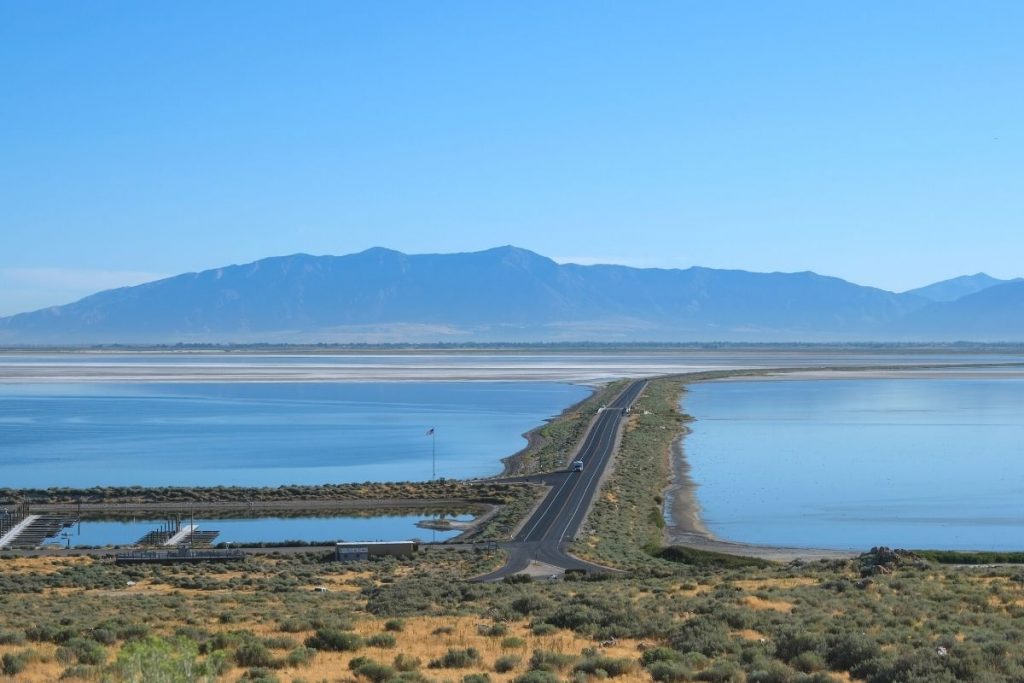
560 515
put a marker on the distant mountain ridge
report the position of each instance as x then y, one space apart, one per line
501 294
958 287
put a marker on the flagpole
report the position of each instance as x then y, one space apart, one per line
432 433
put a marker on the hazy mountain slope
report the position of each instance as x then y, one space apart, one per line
957 287
993 314
505 293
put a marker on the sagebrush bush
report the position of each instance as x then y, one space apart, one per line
333 640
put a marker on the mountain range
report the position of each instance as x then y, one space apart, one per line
512 294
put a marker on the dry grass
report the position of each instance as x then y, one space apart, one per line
41 565
750 634
757 604
45 670
781 583
419 638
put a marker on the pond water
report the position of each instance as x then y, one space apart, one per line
266 529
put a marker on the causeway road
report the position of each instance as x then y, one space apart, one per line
556 521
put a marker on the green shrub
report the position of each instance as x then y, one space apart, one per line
706 558
78 672
547 660
846 651
157 659
411 677
529 604
404 662
13 663
103 636
790 643
493 630
300 656
375 671
506 663
808 662
11 638
666 671
280 643
294 626
394 625
334 640
773 672
253 653
381 640
518 578
512 643
694 660
543 629
702 634
659 654
536 677
456 659
609 665
260 675
476 678
722 671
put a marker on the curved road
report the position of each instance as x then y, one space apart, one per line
558 518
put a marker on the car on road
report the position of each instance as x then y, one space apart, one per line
577 465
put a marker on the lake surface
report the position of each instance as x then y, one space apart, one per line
914 463
267 529
264 434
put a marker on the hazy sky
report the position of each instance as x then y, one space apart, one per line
877 141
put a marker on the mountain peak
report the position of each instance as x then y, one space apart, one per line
957 287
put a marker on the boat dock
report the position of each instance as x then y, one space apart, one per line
27 531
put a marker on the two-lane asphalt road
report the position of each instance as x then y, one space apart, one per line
557 520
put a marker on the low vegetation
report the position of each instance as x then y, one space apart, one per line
689 619
442 489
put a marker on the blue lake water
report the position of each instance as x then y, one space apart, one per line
918 463
267 529
264 434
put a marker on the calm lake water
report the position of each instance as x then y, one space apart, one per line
923 463
264 434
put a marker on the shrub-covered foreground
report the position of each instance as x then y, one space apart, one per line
418 620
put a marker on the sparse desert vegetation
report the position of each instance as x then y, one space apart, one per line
420 620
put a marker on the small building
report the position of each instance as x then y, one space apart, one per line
349 551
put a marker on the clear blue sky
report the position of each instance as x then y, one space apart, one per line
881 142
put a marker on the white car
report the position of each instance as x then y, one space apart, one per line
577 465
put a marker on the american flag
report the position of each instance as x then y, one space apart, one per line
430 431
